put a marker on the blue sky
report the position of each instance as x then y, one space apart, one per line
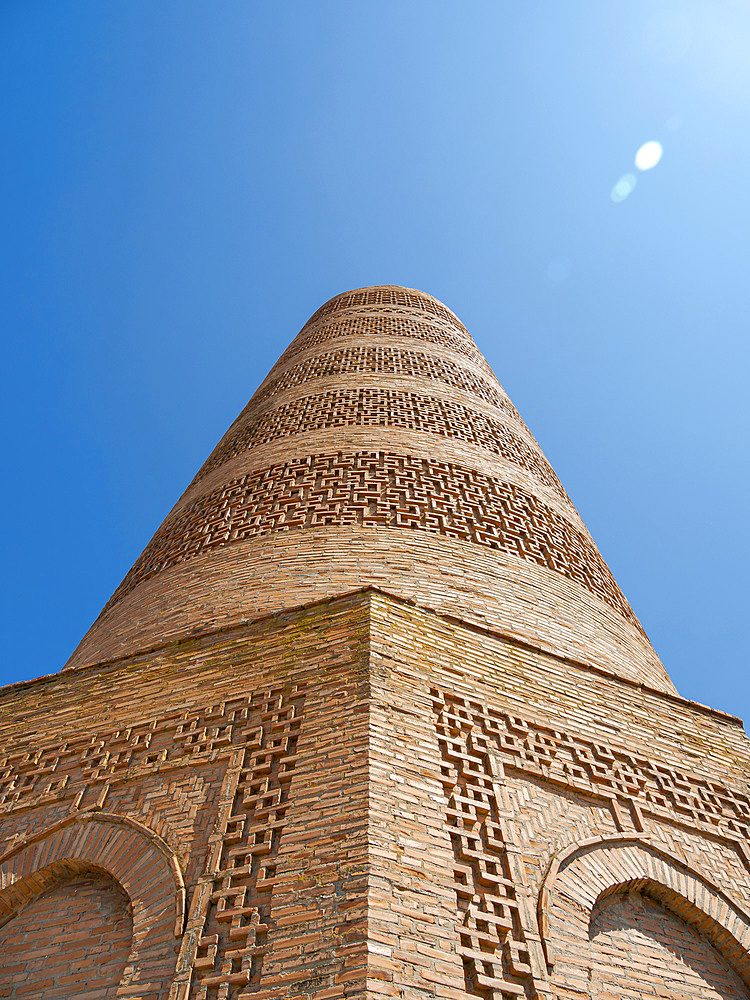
184 183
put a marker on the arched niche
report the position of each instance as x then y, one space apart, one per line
74 938
137 859
584 876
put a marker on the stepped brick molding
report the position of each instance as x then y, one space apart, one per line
628 862
370 718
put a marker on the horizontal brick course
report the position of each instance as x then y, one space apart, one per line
375 407
72 941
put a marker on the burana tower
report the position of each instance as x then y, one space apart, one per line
370 717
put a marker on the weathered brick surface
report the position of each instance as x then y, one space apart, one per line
385 362
245 757
366 798
373 407
637 947
71 941
535 755
370 718
371 489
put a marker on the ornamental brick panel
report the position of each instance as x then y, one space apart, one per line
370 718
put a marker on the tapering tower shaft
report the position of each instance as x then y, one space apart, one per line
380 451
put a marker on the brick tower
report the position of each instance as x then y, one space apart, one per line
370 717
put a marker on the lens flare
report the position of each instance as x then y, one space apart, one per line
623 187
648 155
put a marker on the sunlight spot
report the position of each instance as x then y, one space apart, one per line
648 155
623 187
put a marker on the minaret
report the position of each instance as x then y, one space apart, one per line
370 718
380 451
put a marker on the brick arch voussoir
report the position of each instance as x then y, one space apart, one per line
138 859
590 871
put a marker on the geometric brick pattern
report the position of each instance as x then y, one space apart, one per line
230 918
358 322
643 786
381 414
55 771
490 924
479 747
387 362
374 489
374 407
257 736
389 296
303 865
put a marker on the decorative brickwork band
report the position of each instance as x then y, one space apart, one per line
374 488
388 362
383 324
642 786
373 407
385 431
101 760
496 793
229 928
388 296
492 942
478 745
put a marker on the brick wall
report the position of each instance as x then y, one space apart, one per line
243 757
370 717
365 798
71 941
493 761
636 948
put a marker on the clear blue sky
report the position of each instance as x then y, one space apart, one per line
183 183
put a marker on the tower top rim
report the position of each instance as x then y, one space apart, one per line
330 305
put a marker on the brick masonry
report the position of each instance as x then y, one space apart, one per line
382 422
377 724
72 940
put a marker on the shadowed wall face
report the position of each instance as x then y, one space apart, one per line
71 941
639 948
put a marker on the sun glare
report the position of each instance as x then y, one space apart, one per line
648 155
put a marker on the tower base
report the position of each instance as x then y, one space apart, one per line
361 798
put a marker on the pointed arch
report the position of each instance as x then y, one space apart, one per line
588 872
134 856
